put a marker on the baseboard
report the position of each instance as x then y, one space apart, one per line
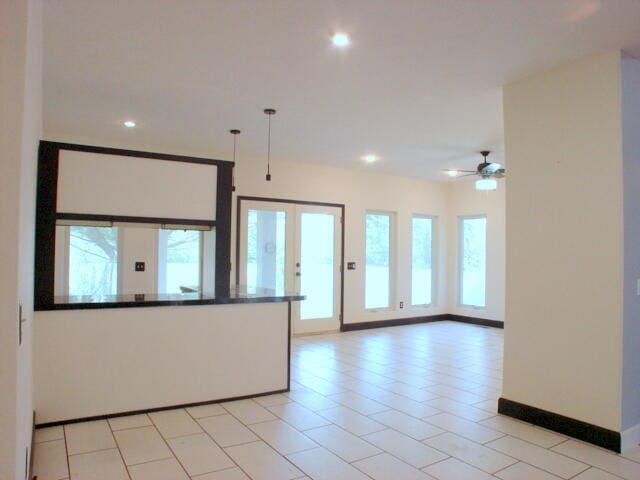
630 438
156 409
476 321
348 327
571 427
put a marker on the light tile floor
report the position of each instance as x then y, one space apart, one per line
412 402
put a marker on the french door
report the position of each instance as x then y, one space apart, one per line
294 247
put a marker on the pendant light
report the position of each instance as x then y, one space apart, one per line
269 112
235 132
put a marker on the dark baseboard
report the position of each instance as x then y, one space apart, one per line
571 427
157 409
348 327
476 321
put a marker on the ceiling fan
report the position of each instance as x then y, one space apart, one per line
487 170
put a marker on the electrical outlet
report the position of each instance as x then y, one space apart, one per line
139 267
401 304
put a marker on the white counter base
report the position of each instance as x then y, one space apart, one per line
91 363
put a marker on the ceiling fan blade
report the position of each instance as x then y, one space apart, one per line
456 170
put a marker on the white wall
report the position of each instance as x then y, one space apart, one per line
631 328
464 200
360 190
564 249
104 184
20 130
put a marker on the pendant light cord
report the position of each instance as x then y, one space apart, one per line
269 147
269 112
235 133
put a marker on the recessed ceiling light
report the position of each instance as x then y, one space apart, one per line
452 173
129 124
370 158
340 39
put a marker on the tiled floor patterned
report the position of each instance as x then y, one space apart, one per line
401 403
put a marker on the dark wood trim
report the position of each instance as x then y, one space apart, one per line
571 427
57 146
341 206
290 201
130 219
45 227
156 409
476 321
46 215
224 193
348 327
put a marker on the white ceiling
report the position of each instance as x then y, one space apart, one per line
420 86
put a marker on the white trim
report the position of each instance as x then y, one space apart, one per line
630 438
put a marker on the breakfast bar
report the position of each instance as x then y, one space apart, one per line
94 360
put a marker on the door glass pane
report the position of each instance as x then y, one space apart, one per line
473 261
179 261
266 250
317 265
378 256
93 260
421 261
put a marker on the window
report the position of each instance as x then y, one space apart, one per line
421 260
378 260
179 261
266 250
317 256
93 260
473 246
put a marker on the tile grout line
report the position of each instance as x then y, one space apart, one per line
115 440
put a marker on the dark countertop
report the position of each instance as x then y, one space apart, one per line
237 295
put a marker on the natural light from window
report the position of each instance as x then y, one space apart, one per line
266 243
473 250
93 260
316 265
421 260
378 260
179 261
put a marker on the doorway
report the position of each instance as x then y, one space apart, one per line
286 245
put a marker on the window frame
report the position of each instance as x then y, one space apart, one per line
434 263
392 260
461 219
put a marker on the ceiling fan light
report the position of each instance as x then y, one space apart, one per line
486 184
452 173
